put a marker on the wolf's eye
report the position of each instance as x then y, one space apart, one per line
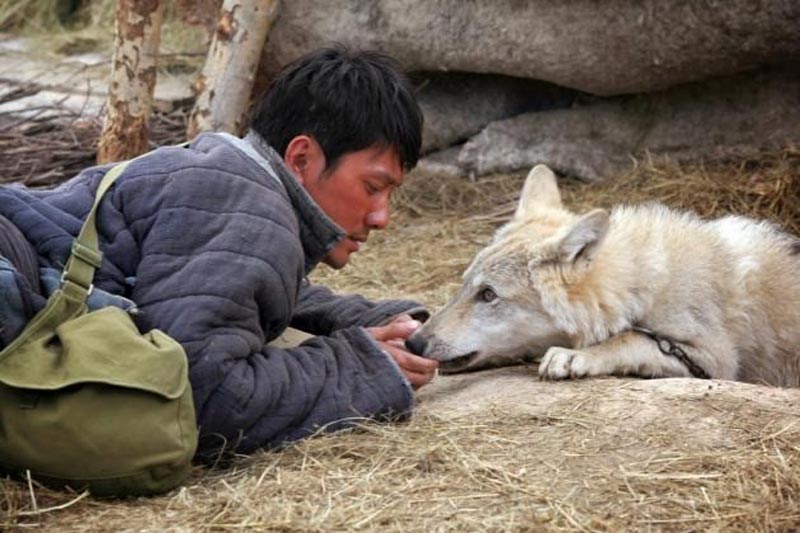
487 295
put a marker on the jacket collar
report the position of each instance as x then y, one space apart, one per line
318 233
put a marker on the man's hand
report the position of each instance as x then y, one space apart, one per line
391 337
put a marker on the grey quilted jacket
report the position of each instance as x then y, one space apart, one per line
213 243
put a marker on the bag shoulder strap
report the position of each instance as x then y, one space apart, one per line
85 256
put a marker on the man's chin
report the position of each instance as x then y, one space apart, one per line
336 261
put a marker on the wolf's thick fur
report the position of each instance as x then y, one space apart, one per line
572 287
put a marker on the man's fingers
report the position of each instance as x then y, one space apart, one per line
395 330
402 318
417 370
418 380
415 363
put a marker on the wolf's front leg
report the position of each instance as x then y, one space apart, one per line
628 353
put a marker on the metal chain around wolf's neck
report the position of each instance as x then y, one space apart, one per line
668 347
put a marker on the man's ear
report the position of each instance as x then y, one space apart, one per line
305 158
540 190
584 237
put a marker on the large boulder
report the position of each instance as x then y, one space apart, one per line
732 116
604 47
459 105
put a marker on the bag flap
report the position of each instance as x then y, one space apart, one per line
103 346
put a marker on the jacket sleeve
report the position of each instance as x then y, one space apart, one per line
268 397
221 277
320 312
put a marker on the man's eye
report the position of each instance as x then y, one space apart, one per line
372 189
487 295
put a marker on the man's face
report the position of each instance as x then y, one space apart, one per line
355 193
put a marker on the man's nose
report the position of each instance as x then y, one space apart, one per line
379 218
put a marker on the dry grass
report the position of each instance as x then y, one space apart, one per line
566 467
506 471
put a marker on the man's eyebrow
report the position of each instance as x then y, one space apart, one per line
386 177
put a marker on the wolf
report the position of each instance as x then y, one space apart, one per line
643 290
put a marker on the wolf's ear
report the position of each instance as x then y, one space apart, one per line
540 190
584 237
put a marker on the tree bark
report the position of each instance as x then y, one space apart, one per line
224 86
133 79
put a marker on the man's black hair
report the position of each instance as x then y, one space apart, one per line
347 101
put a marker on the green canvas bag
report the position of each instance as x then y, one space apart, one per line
87 401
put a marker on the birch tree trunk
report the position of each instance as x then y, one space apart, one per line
224 86
133 79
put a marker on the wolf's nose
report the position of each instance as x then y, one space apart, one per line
416 344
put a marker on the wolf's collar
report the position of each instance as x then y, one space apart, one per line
669 347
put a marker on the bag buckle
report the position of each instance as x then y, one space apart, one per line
29 399
65 278
88 255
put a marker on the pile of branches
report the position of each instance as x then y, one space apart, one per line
45 149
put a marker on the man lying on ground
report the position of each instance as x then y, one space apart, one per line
213 243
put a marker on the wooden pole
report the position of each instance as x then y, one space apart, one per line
224 86
133 80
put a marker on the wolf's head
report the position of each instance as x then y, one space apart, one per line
515 297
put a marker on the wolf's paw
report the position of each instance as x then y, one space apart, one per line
563 363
